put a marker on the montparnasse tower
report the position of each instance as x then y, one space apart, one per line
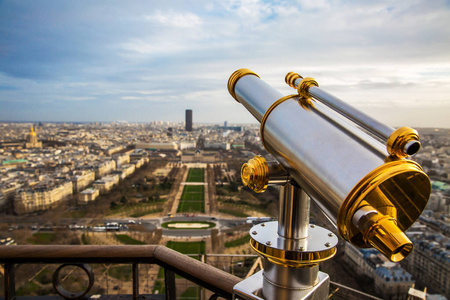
32 141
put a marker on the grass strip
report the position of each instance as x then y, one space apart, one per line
143 213
41 238
125 239
233 213
235 243
196 175
192 199
187 247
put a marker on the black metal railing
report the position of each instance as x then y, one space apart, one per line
217 281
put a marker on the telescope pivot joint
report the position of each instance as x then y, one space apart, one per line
258 173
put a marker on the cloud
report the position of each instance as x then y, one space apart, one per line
175 19
145 60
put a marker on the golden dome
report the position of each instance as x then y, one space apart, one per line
32 131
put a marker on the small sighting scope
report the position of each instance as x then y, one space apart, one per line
355 168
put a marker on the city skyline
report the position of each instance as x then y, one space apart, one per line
112 61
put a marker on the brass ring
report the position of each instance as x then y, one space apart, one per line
234 79
304 86
291 77
267 113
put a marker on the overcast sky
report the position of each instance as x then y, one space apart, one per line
143 61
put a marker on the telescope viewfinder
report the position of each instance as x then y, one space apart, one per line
400 143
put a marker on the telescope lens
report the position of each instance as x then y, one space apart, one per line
412 147
401 252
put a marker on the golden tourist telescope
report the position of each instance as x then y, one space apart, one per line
354 167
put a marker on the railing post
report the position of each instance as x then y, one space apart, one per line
135 281
10 281
169 280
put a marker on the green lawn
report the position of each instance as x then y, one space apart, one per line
243 240
122 273
196 175
125 239
187 247
42 238
182 247
234 213
192 292
192 199
147 212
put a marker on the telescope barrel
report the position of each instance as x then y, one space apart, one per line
335 167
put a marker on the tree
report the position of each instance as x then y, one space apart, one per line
123 200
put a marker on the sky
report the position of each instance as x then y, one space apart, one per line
144 61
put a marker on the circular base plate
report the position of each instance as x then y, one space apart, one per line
319 246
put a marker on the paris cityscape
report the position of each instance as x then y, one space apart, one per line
201 150
178 184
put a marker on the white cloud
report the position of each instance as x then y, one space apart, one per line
175 19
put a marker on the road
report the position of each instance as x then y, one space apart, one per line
152 224
148 224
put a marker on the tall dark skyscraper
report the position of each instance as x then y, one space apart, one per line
188 119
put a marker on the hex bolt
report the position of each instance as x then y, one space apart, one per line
263 224
312 226
268 243
254 232
327 244
330 234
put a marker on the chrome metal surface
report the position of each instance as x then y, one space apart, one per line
382 131
249 288
322 158
318 291
252 289
290 278
362 215
251 87
277 174
293 220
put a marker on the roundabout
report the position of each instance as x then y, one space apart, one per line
188 225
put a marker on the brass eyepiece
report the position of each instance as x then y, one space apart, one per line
381 232
403 142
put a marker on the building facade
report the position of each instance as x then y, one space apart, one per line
391 281
430 263
41 197
87 195
82 179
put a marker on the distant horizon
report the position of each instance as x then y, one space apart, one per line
126 122
181 122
